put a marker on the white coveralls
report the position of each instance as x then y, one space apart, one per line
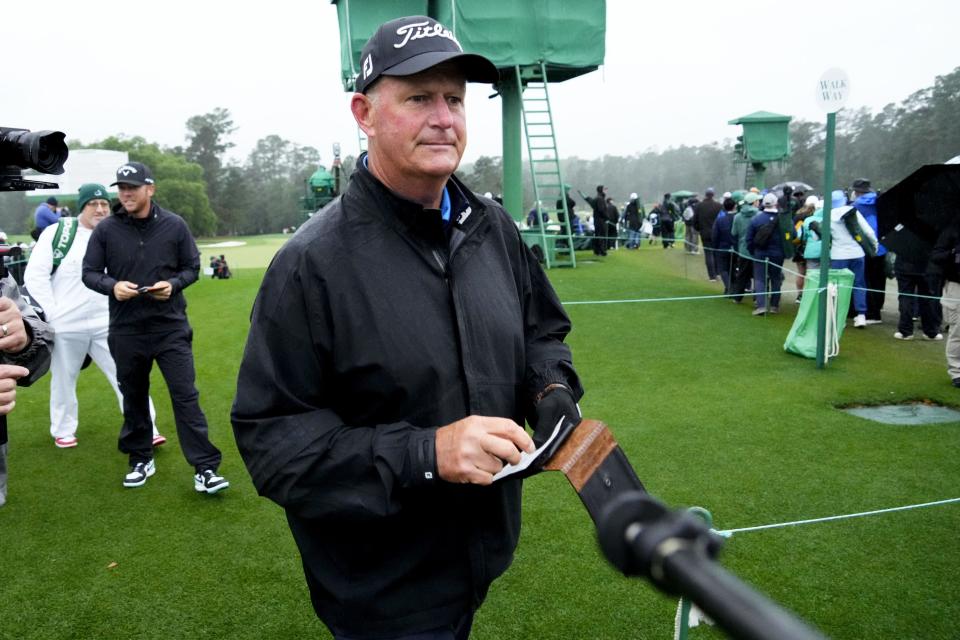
81 319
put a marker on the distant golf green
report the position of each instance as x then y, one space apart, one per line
242 252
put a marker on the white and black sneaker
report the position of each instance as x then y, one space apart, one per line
207 481
139 473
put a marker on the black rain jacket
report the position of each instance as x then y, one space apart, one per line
944 255
36 355
372 328
162 248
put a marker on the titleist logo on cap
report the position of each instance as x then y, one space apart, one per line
416 30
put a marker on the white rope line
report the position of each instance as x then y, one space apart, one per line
726 533
752 259
676 299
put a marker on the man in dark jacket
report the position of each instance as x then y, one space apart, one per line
786 202
723 242
613 217
599 205
398 342
571 204
143 257
668 216
704 215
915 294
787 206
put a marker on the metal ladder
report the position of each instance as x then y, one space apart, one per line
545 166
749 177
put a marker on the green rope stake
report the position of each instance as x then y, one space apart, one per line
682 623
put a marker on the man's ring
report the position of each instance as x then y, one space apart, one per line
4 330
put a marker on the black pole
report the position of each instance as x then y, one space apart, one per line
677 552
736 608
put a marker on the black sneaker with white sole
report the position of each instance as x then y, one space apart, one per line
207 481
139 473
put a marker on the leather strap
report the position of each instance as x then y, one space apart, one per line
595 465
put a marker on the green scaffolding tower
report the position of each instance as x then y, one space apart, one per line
531 43
765 139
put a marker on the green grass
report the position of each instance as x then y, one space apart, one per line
702 398
255 253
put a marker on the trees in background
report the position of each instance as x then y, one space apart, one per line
885 147
276 172
207 135
262 194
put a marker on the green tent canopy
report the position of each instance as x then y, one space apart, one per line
567 35
766 136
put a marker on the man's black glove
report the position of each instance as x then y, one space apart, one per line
555 402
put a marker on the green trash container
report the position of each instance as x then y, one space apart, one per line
802 339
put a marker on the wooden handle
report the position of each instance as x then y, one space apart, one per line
584 450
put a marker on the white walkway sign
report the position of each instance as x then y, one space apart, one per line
833 89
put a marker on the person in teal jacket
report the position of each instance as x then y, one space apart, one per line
811 239
744 267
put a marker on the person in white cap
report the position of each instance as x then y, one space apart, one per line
633 215
849 234
80 317
766 247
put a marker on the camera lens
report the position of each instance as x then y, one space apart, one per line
43 151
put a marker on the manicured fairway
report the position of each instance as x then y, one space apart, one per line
701 396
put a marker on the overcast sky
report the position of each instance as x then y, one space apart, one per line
675 71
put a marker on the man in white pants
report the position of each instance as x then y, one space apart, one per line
78 315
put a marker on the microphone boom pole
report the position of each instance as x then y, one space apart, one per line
673 549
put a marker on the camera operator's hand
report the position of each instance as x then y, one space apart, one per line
124 290
9 374
475 448
556 401
13 335
161 290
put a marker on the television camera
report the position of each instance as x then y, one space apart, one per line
42 151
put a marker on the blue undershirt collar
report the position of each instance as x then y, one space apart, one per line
444 201
445 205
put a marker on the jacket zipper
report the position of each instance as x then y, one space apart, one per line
448 280
442 264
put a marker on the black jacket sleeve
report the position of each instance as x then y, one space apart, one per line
36 355
546 325
188 261
95 265
299 452
944 252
